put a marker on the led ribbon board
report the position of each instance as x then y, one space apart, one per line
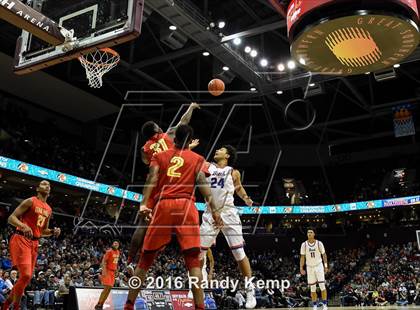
349 37
68 179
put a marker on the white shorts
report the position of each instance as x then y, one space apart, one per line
232 229
315 274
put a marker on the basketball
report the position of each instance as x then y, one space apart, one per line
216 87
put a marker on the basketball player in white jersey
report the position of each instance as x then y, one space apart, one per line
224 182
313 252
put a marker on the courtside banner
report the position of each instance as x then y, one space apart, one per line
68 179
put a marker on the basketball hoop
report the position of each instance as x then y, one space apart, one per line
403 122
98 63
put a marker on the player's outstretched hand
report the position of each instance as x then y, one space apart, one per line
218 222
194 143
56 232
302 272
326 270
27 231
195 105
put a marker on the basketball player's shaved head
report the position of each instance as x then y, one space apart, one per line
183 136
149 129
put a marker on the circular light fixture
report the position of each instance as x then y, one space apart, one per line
279 92
225 68
237 41
312 85
172 27
254 53
264 62
206 54
221 24
291 65
397 65
281 67
247 49
253 89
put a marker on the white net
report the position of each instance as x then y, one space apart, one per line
404 127
97 64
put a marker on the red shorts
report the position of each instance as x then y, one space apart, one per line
108 277
23 251
178 216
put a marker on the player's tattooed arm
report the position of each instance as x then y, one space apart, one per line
144 157
205 190
325 259
239 189
19 211
185 119
151 182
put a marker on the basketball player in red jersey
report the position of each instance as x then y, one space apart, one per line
157 141
175 173
109 267
31 219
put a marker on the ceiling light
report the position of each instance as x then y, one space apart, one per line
206 54
312 85
253 89
237 41
221 24
281 67
254 53
291 65
397 65
302 61
279 92
225 68
264 62
172 27
247 49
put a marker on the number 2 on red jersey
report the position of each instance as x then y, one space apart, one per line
177 162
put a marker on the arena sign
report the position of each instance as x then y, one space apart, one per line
68 179
327 39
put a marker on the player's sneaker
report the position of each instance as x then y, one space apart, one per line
251 301
324 307
315 307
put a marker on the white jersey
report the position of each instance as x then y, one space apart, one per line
312 252
221 184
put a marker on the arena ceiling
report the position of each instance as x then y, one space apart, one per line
350 110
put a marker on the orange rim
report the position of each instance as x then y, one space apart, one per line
105 50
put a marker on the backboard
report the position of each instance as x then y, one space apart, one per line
96 24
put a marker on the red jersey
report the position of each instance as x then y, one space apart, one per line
160 142
178 171
36 217
111 259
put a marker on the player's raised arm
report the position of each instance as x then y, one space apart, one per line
185 119
205 190
239 189
19 211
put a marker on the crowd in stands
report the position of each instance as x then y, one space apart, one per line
390 276
360 275
44 144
